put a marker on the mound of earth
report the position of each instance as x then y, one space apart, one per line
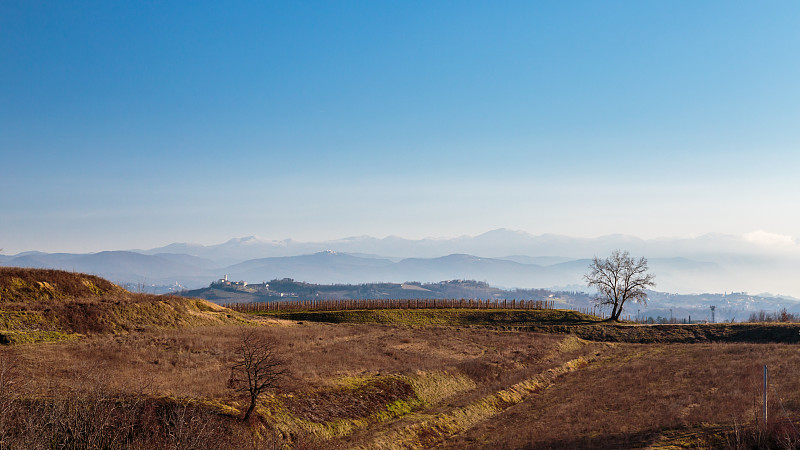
43 305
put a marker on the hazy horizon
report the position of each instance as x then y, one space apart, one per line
129 126
769 243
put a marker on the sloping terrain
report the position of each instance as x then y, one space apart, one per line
659 396
347 386
124 266
559 321
42 304
152 372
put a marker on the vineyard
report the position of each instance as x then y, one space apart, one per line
346 305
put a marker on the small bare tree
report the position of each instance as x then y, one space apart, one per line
619 278
257 367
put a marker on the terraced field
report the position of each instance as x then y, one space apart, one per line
657 396
349 385
91 366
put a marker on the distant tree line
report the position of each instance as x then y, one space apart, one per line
300 290
778 316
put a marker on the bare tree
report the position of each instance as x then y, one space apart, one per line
619 278
257 367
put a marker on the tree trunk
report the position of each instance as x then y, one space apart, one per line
249 409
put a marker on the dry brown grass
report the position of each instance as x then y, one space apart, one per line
630 395
194 362
22 285
638 391
86 413
149 363
40 304
336 372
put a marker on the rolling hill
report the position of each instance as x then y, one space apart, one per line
46 304
710 263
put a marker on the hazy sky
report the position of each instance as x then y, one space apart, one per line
136 124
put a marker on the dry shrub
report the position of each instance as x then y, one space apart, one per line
99 421
480 371
779 316
92 417
89 415
777 435
11 388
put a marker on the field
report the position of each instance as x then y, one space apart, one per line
382 379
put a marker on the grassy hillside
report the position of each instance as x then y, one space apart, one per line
27 285
347 385
559 321
672 396
687 334
43 305
368 385
379 379
443 317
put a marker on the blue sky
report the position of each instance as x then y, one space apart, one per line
137 124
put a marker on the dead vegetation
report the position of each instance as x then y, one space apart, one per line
442 317
46 305
342 379
257 366
195 362
676 333
361 385
29 285
157 378
637 394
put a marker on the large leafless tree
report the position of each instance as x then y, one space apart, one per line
619 279
257 367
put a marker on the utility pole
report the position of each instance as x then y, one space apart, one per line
765 395
712 314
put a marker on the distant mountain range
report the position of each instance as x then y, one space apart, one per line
498 243
757 263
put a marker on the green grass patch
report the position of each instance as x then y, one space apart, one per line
354 403
34 337
25 320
